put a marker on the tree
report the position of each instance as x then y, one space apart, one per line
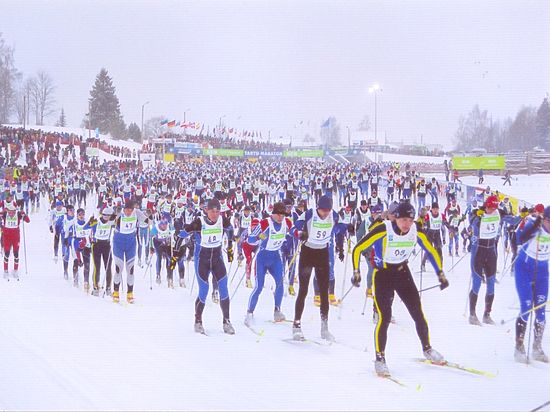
522 133
364 125
152 127
62 121
475 131
134 133
9 77
543 124
42 99
330 132
104 107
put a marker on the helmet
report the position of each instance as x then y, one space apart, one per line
539 208
108 211
492 202
405 209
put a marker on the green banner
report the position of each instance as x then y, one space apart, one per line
304 153
223 152
481 162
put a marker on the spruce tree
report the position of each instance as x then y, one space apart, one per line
105 107
543 124
134 133
62 121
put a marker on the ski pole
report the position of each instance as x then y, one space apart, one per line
365 304
239 284
346 294
234 274
24 250
431 287
502 322
456 263
538 408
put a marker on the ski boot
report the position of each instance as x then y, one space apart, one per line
116 296
473 320
182 283
108 291
434 356
488 306
130 297
249 319
199 328
95 292
538 353
456 253
228 327
86 287
332 300
380 366
317 300
297 333
325 333
291 290
170 283
215 296
278 316
519 351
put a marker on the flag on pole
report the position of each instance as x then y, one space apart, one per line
163 122
171 124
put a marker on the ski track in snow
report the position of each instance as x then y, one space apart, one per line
62 349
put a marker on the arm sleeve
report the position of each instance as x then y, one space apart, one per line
376 234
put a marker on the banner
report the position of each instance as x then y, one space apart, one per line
223 152
262 153
92 151
304 153
482 162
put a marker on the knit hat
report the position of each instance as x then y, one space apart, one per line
325 202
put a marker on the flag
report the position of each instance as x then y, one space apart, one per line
163 122
327 123
171 124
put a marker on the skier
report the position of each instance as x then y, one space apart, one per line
124 248
10 222
210 260
55 216
272 233
101 249
393 243
485 224
531 272
317 228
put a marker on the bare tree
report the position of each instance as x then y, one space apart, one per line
42 89
152 127
9 76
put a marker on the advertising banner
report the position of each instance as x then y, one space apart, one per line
482 162
304 153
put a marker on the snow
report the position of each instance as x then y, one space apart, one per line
61 349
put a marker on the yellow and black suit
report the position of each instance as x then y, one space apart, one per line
395 277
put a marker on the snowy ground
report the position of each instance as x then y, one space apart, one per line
64 350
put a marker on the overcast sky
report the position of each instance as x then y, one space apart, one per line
272 64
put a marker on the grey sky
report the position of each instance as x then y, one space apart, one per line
276 63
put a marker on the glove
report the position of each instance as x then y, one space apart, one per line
443 282
92 221
341 255
82 243
303 236
262 236
230 255
480 212
51 229
356 278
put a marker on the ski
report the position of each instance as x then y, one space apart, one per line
256 332
454 365
279 322
291 340
392 379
